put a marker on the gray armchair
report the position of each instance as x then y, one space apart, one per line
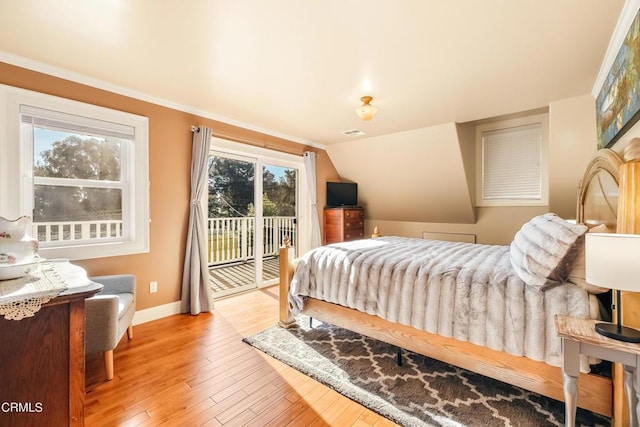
108 314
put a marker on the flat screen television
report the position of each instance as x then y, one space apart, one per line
342 194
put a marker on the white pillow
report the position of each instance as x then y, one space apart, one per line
543 250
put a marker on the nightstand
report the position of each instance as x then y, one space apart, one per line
579 337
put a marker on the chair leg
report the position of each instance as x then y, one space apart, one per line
108 364
130 332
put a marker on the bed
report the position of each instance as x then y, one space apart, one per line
458 341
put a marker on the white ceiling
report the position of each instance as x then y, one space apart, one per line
298 68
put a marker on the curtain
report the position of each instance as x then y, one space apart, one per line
197 296
310 168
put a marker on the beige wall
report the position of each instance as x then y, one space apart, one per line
415 175
572 143
169 169
495 225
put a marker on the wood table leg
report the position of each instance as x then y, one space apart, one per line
570 372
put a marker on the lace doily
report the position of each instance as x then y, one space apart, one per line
23 297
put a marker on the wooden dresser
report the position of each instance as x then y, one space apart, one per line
343 224
42 364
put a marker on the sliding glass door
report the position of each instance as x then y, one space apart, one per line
252 205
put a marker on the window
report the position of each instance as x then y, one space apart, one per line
512 163
82 174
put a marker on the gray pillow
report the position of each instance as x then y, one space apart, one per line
543 250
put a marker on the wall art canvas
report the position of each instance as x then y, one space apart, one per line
618 103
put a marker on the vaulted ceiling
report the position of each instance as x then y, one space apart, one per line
298 68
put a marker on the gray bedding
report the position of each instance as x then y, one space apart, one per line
466 291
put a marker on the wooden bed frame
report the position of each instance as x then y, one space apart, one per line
597 204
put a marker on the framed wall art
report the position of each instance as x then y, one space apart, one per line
618 103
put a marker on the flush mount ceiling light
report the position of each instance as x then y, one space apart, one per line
366 111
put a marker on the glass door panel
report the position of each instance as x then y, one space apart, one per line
279 215
231 231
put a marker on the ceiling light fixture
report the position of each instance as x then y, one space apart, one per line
366 111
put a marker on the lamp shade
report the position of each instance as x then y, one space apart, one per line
366 111
613 260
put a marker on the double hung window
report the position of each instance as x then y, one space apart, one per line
81 173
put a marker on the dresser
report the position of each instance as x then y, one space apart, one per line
343 224
42 368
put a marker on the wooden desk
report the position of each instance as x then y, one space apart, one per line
42 372
579 337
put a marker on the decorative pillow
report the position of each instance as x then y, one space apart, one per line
543 250
577 275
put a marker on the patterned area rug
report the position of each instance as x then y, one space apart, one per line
421 392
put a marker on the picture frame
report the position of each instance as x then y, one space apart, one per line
618 102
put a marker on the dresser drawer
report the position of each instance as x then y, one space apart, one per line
355 223
343 224
352 214
353 235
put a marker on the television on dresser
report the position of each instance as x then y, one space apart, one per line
342 194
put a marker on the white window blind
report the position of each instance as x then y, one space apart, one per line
58 120
511 163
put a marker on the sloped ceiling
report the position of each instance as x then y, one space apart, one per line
417 175
298 68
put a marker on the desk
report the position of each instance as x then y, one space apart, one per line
42 373
579 337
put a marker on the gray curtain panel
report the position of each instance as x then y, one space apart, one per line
310 168
197 295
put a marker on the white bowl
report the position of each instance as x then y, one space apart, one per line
18 252
15 271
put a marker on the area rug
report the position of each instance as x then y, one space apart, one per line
421 392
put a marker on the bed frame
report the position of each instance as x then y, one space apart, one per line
597 204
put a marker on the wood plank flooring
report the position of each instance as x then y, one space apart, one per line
188 370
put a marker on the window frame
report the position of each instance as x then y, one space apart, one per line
505 125
17 178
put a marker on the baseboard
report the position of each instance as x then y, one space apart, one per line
158 312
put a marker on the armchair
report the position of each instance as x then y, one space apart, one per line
108 314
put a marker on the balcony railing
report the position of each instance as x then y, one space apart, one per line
67 231
229 239
232 239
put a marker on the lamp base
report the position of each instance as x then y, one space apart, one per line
620 333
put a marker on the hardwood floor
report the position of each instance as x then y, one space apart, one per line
194 370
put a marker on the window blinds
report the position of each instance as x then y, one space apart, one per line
511 163
56 120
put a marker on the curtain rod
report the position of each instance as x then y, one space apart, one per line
196 129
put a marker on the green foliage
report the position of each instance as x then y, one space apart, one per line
230 187
231 190
269 208
77 158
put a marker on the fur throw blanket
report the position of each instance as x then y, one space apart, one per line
466 291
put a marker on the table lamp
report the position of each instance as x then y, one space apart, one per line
613 261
